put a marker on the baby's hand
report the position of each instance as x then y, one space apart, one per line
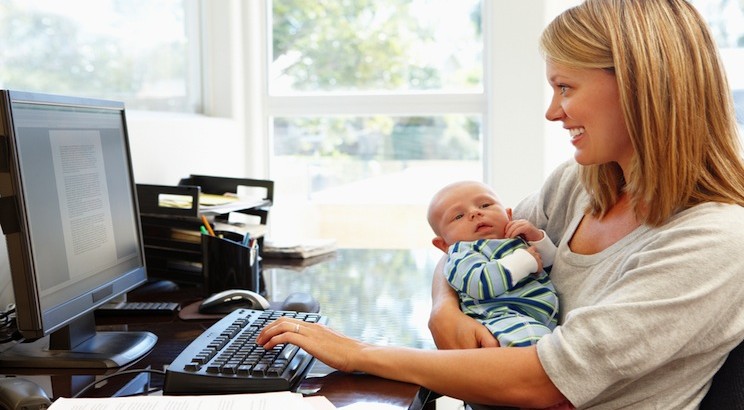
523 228
533 251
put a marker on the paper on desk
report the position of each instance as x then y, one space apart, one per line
258 401
319 403
211 204
290 249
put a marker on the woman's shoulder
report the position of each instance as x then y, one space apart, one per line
714 220
708 212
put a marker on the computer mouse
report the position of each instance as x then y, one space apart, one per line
301 302
231 299
19 393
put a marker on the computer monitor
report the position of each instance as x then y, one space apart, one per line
69 214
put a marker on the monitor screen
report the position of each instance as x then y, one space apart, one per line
72 227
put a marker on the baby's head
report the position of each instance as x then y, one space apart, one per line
466 211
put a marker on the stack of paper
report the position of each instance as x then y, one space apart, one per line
258 401
304 249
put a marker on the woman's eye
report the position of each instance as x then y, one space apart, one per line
563 89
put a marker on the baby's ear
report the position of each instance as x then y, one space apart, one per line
509 213
440 244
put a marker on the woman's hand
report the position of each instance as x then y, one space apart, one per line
324 343
450 328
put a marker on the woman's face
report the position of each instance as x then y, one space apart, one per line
587 101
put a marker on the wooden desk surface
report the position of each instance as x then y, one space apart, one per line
378 296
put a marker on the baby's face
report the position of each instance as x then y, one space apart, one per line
470 212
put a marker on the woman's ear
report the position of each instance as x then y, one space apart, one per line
440 244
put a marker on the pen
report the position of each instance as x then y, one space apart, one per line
203 230
207 225
246 239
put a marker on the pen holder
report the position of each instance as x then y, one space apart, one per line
229 264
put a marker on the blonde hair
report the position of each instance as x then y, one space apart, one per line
675 99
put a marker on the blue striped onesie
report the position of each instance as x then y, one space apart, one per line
515 305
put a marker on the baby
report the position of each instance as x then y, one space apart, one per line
494 263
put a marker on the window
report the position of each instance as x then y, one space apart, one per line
726 19
137 51
373 107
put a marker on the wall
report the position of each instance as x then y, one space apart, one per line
515 119
166 148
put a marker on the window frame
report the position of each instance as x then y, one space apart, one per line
519 130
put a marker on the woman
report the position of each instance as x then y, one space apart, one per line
648 222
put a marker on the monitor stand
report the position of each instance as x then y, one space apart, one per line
79 346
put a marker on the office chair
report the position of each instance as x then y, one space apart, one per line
726 391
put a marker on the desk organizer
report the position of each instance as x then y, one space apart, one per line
228 262
171 231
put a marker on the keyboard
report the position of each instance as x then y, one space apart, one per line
226 359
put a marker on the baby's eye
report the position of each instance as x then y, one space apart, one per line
486 205
458 216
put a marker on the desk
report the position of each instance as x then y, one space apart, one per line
378 296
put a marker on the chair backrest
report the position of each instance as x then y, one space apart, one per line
727 390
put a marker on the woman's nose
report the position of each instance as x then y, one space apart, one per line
554 111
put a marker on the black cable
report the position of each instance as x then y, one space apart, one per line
6 320
8 329
10 334
121 373
5 316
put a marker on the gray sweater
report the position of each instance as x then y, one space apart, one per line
646 322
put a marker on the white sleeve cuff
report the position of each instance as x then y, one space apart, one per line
520 264
546 248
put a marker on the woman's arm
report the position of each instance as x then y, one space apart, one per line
504 376
450 328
